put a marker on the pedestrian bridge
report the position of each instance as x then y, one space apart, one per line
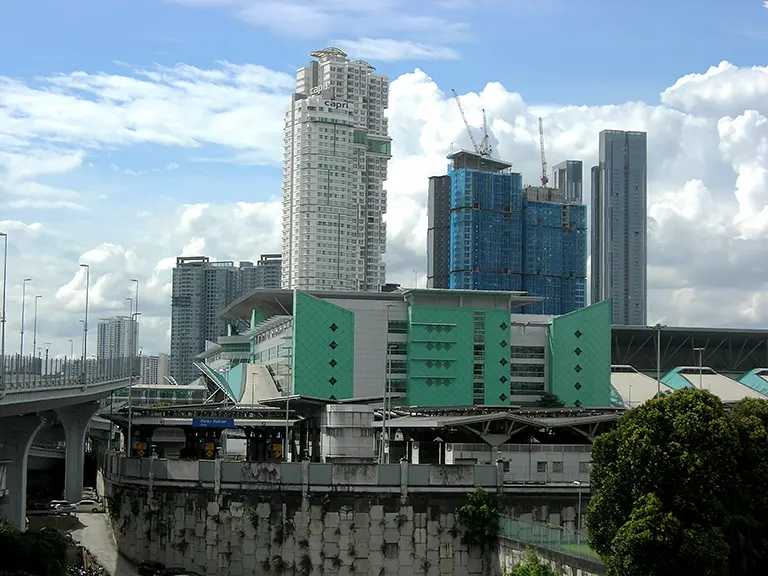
34 390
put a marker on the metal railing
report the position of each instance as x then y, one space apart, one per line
31 372
557 538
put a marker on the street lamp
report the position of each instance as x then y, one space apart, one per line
23 306
47 348
34 329
2 327
85 321
578 519
658 327
71 348
700 350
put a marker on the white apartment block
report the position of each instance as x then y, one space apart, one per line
114 337
336 152
154 369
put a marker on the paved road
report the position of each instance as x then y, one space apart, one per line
96 536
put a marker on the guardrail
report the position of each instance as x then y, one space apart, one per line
23 373
256 476
559 539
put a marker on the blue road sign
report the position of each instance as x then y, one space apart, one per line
213 422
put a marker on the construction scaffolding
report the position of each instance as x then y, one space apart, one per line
486 245
555 253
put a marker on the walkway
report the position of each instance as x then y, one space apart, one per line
96 536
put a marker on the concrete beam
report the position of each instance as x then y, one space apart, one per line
75 420
16 436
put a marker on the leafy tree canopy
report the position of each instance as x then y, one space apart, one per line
549 400
680 489
480 517
532 566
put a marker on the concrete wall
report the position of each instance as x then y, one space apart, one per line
512 553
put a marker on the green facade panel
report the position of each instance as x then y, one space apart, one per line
580 356
440 354
323 348
497 370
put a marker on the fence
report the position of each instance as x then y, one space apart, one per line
571 542
25 372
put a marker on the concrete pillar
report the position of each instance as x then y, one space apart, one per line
75 420
16 436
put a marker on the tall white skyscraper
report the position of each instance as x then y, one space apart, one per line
336 154
619 226
114 337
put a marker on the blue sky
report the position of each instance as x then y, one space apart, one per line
131 129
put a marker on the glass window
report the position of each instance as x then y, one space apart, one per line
541 467
557 467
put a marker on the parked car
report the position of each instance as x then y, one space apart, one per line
90 494
89 505
178 572
151 568
61 507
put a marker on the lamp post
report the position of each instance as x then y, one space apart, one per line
71 348
129 445
2 326
34 329
700 350
21 335
659 327
85 322
578 519
47 348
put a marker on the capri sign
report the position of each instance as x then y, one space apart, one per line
336 105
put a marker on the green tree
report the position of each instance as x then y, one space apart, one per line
532 566
666 486
549 400
480 518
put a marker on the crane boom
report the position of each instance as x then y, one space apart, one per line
466 123
544 177
485 145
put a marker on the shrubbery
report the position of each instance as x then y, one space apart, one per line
42 553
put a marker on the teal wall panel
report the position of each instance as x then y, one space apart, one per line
580 356
753 379
497 344
323 348
440 345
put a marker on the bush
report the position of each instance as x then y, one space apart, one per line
41 553
532 566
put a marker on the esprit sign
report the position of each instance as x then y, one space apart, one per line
336 105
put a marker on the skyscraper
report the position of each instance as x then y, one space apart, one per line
201 289
154 369
568 178
114 337
619 225
487 232
336 153
439 232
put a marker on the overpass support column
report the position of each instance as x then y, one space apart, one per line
16 436
75 420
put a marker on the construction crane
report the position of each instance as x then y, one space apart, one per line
544 177
484 149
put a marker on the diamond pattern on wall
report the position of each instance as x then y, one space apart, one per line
503 326
503 397
503 362
503 379
323 348
440 342
503 343
497 388
580 356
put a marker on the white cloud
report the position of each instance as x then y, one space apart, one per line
389 50
708 188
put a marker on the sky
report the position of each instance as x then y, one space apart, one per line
132 132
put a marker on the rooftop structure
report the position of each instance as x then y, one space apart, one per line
336 153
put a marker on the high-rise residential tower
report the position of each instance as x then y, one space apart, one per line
336 152
619 225
154 369
201 289
114 337
487 232
568 178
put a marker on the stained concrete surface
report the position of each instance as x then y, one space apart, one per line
96 536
